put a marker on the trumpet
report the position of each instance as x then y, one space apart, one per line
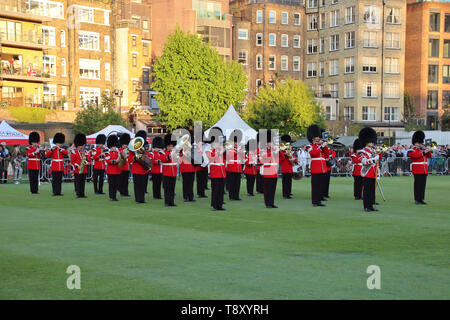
382 149
83 162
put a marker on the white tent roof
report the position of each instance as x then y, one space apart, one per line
10 135
110 129
231 121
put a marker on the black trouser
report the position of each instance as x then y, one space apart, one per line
139 187
234 186
217 192
316 192
368 192
80 181
156 181
326 184
57 182
202 182
146 183
98 178
420 182
250 182
286 179
270 186
188 185
169 189
123 184
357 186
113 185
33 176
259 183
4 174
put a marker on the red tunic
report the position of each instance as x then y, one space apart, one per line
251 159
419 161
113 165
156 160
318 156
75 159
216 164
169 166
57 155
34 159
269 163
370 158
333 155
234 161
286 165
136 167
126 166
99 158
357 165
185 164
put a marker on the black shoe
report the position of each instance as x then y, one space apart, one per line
172 205
157 198
250 195
328 197
324 199
418 202
356 198
203 196
373 209
269 207
274 206
222 209
125 195
113 199
185 200
192 200
319 205
141 202
423 202
81 197
367 210
166 205
238 199
377 204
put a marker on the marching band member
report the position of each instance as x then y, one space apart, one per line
217 171
57 154
124 140
112 158
369 172
234 160
419 155
259 178
187 170
169 171
357 165
318 151
287 162
34 161
140 174
79 158
269 156
156 171
202 173
250 168
98 155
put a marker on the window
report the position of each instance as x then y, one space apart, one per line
350 15
312 21
312 46
145 25
369 114
392 65
433 73
88 40
332 1
146 75
296 41
243 34
145 49
89 95
321 68
48 35
391 114
134 86
134 60
334 67
63 91
49 92
311 70
272 62
370 39
349 113
434 21
89 69
334 42
296 63
49 64
284 18
63 38
393 15
63 67
350 39
369 90
297 18
322 45
445 99
107 44
447 22
259 39
328 113
107 71
446 74
349 90
258 62
106 17
45 8
284 40
350 65
272 16
432 99
272 39
392 40
259 16
322 19
334 90
371 14
433 48
284 63
334 18
369 64
312 3
446 48
134 41
242 57
321 90
85 14
259 84
392 90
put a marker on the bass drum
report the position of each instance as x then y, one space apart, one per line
297 172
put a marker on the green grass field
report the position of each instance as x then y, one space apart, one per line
129 251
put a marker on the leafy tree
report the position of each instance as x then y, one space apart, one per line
411 118
445 121
291 107
194 83
92 119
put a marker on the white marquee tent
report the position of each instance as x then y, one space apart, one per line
11 136
111 129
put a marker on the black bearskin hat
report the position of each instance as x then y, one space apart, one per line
34 137
80 140
100 139
236 136
158 142
168 140
59 138
313 132
367 135
141 133
286 138
124 139
213 133
418 136
357 145
251 145
113 141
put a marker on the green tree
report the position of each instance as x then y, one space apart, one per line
411 118
445 121
91 119
194 83
291 107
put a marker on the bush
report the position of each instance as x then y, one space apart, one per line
29 114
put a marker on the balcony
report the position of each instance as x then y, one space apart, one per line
22 74
29 40
18 9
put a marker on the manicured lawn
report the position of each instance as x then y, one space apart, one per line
148 251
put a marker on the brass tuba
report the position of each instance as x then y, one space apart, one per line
137 146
